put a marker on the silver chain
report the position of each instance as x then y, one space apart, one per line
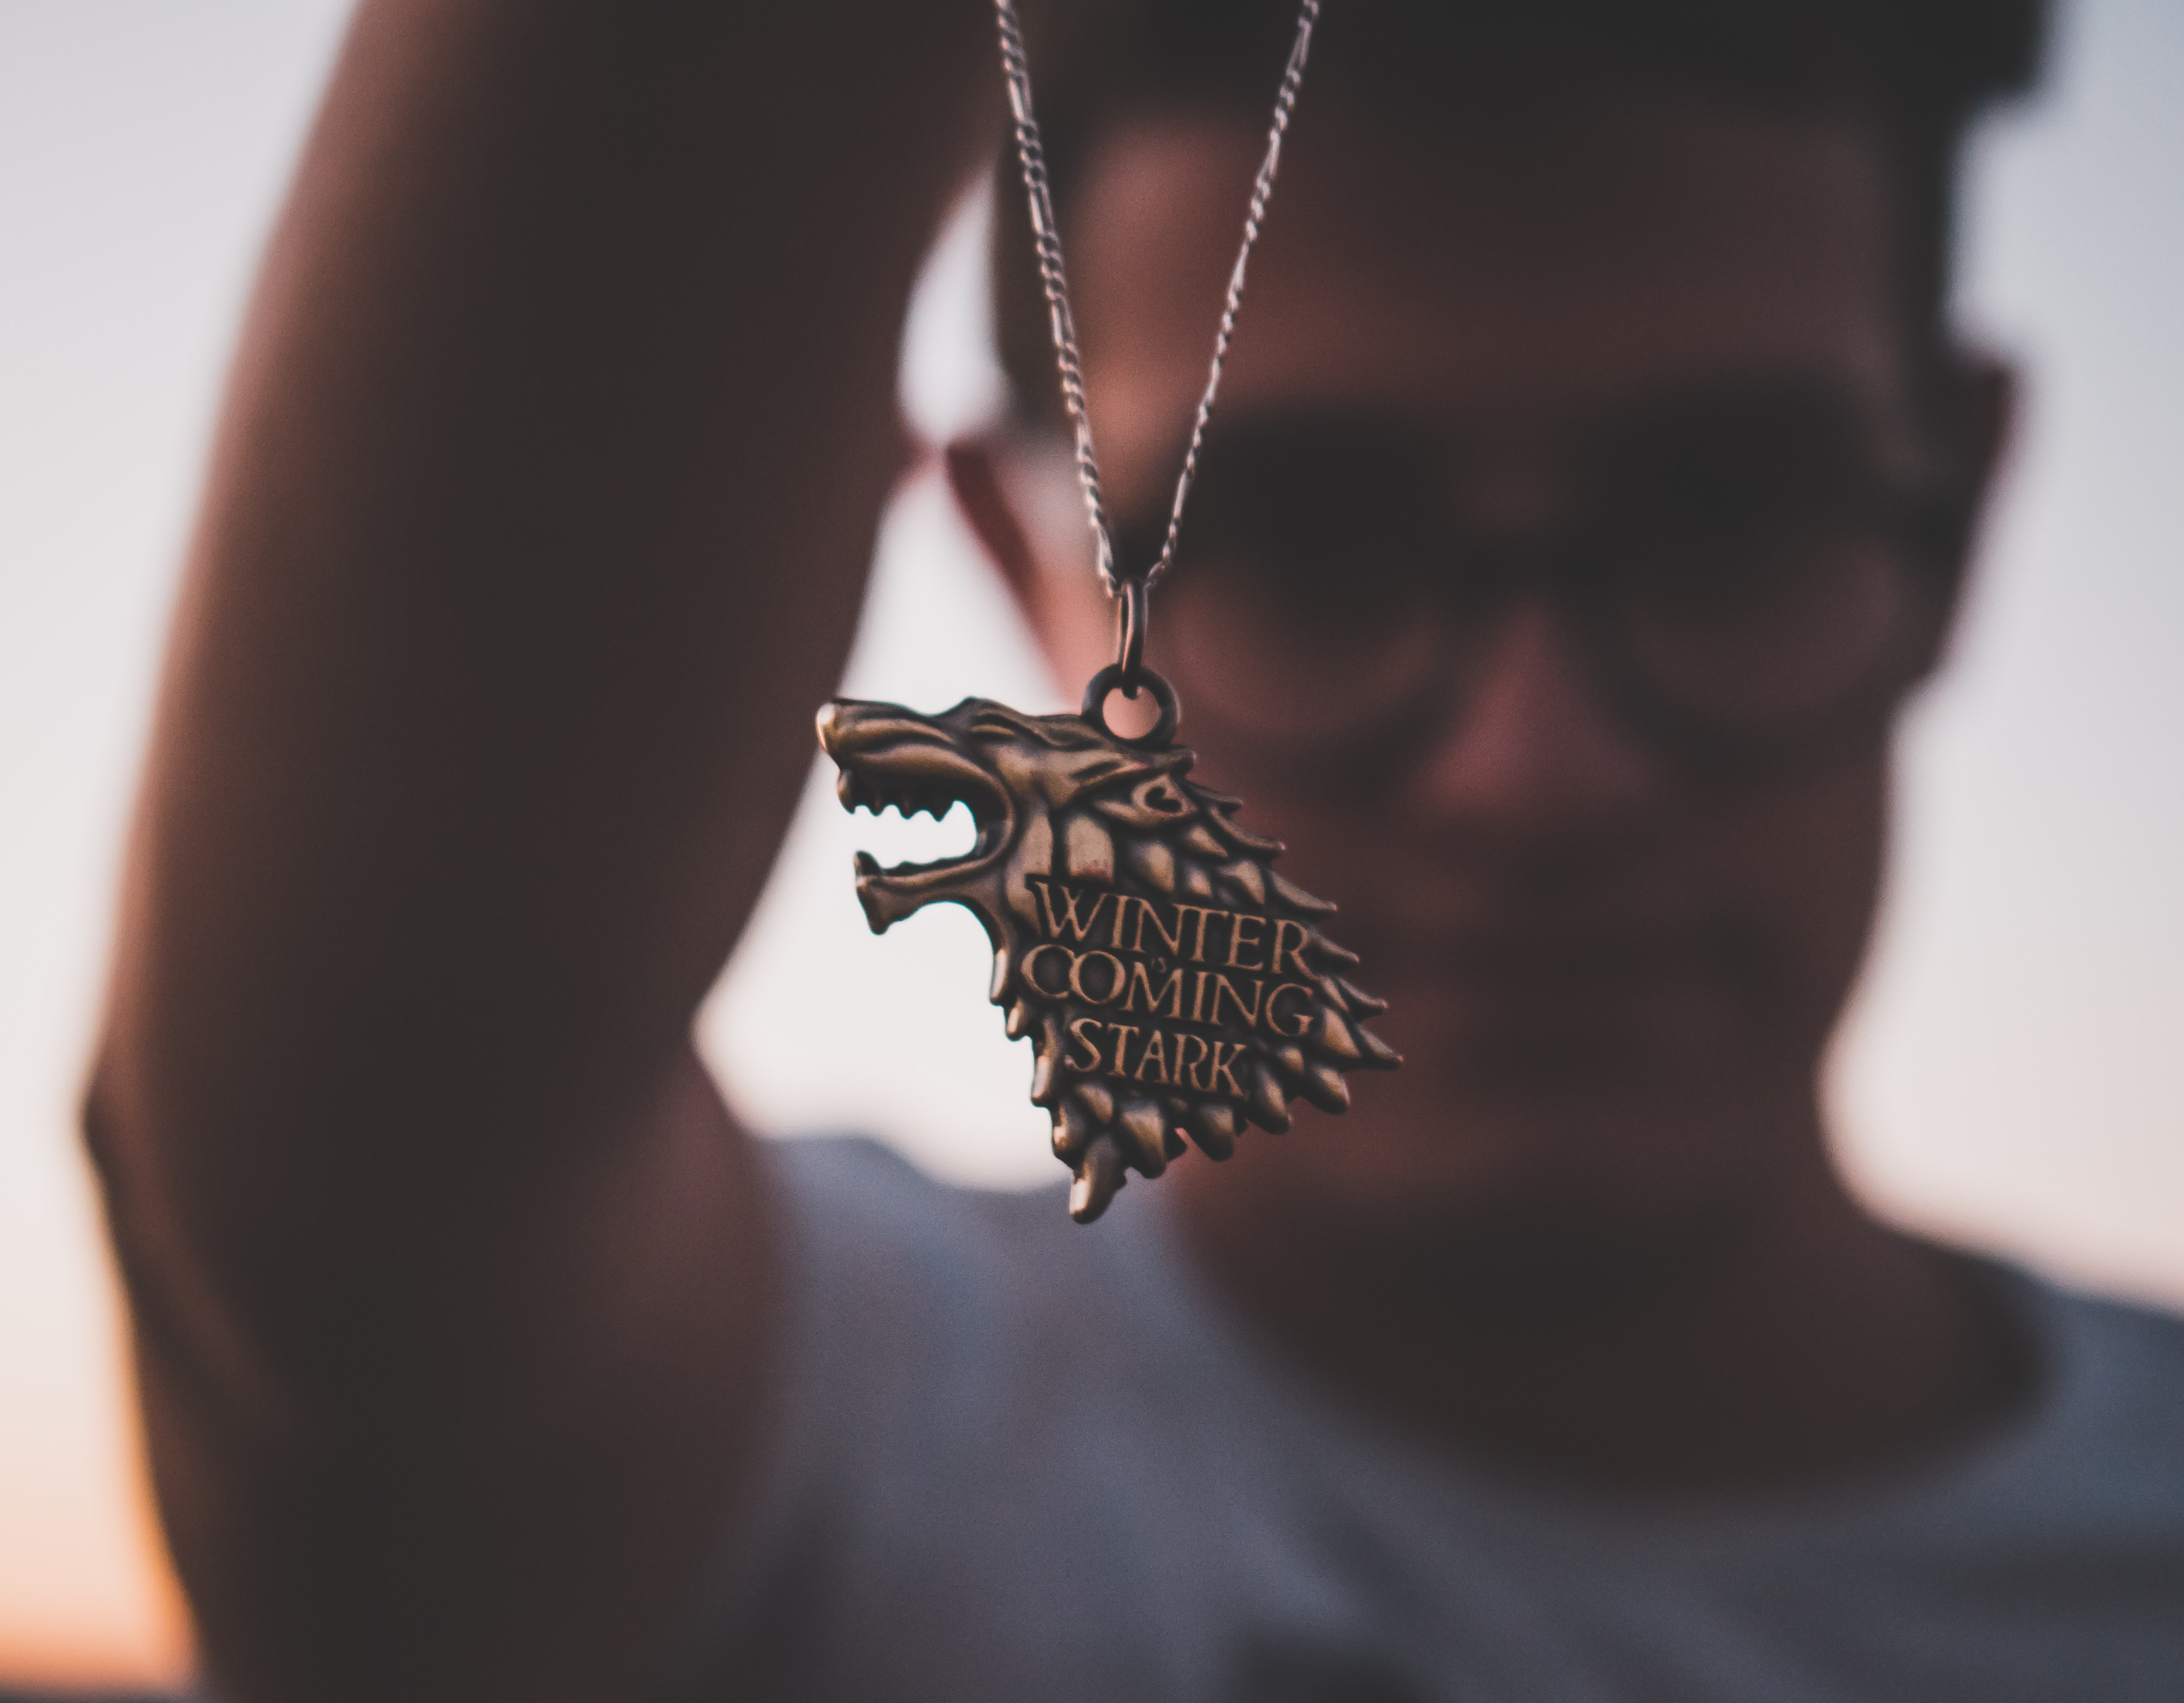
1046 237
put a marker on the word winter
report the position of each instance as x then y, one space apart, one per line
1217 977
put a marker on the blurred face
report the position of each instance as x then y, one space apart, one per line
1556 557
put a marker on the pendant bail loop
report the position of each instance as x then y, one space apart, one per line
1132 615
1157 737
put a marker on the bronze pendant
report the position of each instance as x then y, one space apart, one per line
1172 984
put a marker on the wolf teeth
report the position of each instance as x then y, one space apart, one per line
859 791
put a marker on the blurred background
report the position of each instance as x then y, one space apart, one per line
2009 1075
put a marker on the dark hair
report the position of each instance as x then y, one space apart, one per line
1920 70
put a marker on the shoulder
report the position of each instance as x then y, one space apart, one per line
2116 1375
969 1389
2090 1475
943 1318
867 1230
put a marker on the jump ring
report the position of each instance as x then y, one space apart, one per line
1108 680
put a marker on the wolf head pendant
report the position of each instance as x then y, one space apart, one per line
1172 984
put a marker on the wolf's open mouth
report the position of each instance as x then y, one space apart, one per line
874 788
886 761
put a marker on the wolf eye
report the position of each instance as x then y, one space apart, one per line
1160 798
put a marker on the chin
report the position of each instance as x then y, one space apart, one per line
1543 1144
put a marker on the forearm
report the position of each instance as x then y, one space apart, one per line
535 529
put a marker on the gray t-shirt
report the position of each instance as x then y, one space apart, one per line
1017 1459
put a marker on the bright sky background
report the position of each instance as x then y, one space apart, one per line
2010 1073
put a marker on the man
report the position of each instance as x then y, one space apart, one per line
1594 476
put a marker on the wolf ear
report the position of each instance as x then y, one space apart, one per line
1056 732
1092 774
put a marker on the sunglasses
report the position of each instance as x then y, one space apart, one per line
1743 587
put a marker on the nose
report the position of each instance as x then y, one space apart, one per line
1533 754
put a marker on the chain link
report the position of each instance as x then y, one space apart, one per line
1046 238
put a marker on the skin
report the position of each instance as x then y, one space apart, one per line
536 527
487 703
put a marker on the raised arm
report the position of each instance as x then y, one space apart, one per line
536 525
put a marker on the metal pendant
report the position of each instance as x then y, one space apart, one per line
1172 984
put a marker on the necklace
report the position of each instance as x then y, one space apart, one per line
1174 986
